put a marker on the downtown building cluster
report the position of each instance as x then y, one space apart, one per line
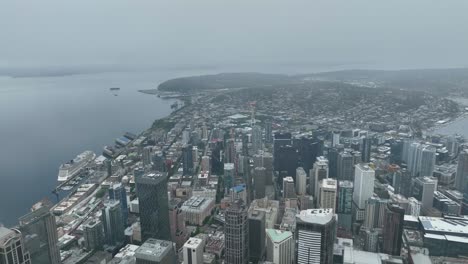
213 184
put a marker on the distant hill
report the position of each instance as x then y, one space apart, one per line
437 81
223 81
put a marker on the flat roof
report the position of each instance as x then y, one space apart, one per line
278 235
316 216
446 225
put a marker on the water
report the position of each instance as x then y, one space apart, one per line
47 121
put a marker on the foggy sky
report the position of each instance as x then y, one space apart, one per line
380 34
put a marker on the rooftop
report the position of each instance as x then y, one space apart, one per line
278 235
316 216
449 225
193 243
154 249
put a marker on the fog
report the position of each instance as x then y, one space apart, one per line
139 34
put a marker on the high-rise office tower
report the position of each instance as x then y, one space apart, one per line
333 162
375 212
268 131
286 159
318 173
371 239
268 165
421 159
423 190
193 251
345 166
155 251
393 229
93 235
40 234
236 231
159 161
153 205
206 163
117 192
315 235
461 178
112 221
288 188
327 197
309 148
279 246
366 149
177 221
230 151
364 178
414 207
452 145
280 140
229 175
257 139
195 156
402 182
345 203
259 182
396 151
301 181
12 248
428 159
335 138
256 235
187 159
146 155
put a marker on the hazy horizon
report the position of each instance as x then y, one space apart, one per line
109 35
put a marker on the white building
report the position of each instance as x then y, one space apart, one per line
317 173
327 197
197 209
364 177
280 246
193 251
301 181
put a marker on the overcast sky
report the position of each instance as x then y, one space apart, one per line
381 34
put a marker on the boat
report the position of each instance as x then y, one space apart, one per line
66 188
114 89
74 167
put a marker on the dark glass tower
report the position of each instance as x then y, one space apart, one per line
236 233
256 235
393 229
366 149
154 208
117 192
187 159
40 234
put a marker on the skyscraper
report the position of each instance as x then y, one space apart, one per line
93 235
364 178
236 231
279 246
229 175
461 178
286 159
256 235
187 159
333 162
193 251
12 249
177 221
268 132
423 190
366 149
345 166
402 182
375 212
335 138
288 188
117 192
153 205
345 203
301 181
319 172
112 221
257 139
393 229
40 234
315 235
259 182
327 197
